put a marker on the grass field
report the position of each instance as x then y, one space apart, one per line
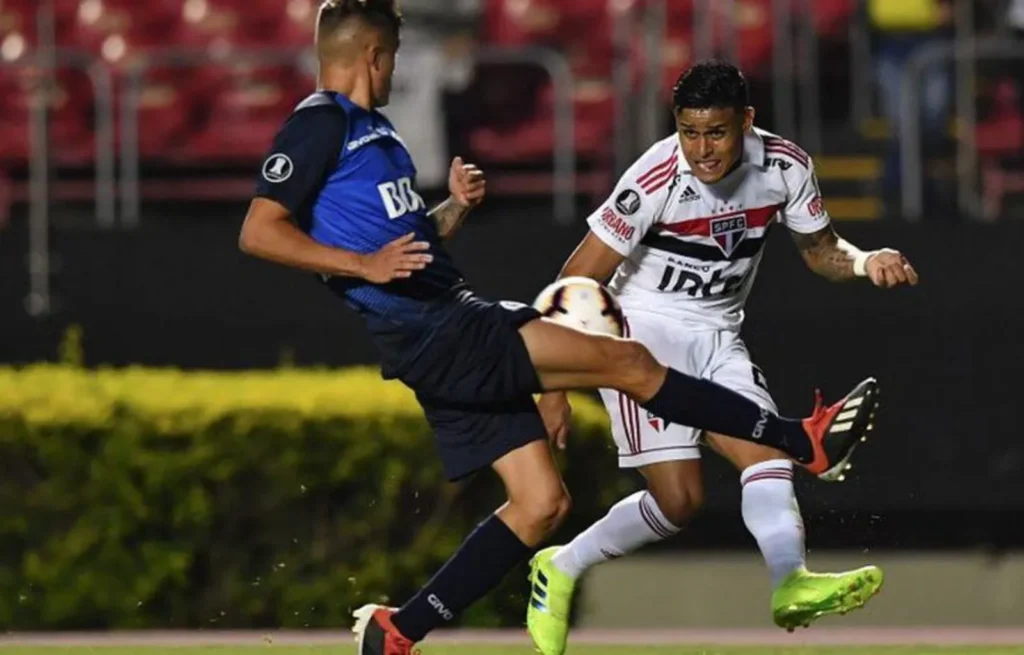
469 649
924 640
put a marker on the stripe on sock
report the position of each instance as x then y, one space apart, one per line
770 474
652 519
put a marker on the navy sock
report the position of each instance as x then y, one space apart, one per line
705 405
483 560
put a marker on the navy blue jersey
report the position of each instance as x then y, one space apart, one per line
349 181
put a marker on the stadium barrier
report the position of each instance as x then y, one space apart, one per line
138 498
38 301
965 55
725 590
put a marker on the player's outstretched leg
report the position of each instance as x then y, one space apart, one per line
568 359
537 504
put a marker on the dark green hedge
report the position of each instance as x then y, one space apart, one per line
158 498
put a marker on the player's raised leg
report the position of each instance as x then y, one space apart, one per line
569 359
772 515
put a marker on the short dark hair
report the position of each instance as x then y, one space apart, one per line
711 84
384 14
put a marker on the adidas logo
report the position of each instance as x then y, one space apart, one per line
538 599
689 195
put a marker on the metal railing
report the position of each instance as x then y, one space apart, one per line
104 143
131 96
969 51
783 65
558 69
706 20
862 87
554 63
654 20
795 69
104 151
48 59
810 78
622 86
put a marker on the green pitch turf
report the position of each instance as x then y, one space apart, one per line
443 649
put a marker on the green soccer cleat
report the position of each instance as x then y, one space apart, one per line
547 616
804 597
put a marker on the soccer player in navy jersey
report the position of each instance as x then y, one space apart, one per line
337 197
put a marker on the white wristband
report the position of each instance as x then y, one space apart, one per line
860 263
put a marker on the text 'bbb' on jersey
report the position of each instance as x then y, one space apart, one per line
348 179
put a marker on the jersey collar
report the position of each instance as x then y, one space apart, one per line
753 148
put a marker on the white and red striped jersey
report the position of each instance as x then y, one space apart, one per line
692 250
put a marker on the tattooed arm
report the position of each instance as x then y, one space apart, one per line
449 216
826 254
467 185
838 260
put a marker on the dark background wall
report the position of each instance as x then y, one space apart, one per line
945 467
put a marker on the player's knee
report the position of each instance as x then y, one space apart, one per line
679 504
548 509
631 363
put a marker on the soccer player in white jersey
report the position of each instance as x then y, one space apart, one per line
681 238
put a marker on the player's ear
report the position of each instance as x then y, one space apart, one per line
748 119
376 57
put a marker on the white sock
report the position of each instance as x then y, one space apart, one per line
772 515
629 524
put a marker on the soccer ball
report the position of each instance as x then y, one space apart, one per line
583 304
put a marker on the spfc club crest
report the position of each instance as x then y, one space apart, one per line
728 231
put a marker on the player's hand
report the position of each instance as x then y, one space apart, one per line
889 268
556 413
466 183
397 260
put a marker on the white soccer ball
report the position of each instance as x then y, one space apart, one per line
583 304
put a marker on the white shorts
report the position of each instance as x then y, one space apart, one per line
716 355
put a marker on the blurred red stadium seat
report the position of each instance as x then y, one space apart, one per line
245 112
244 22
167 113
832 17
521 22
70 131
14 121
520 128
754 37
296 27
17 28
585 36
999 138
533 139
183 108
227 109
96 24
1000 133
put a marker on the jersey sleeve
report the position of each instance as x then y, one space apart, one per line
804 211
304 152
636 203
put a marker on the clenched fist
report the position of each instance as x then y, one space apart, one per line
888 268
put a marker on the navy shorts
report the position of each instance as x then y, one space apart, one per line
475 382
